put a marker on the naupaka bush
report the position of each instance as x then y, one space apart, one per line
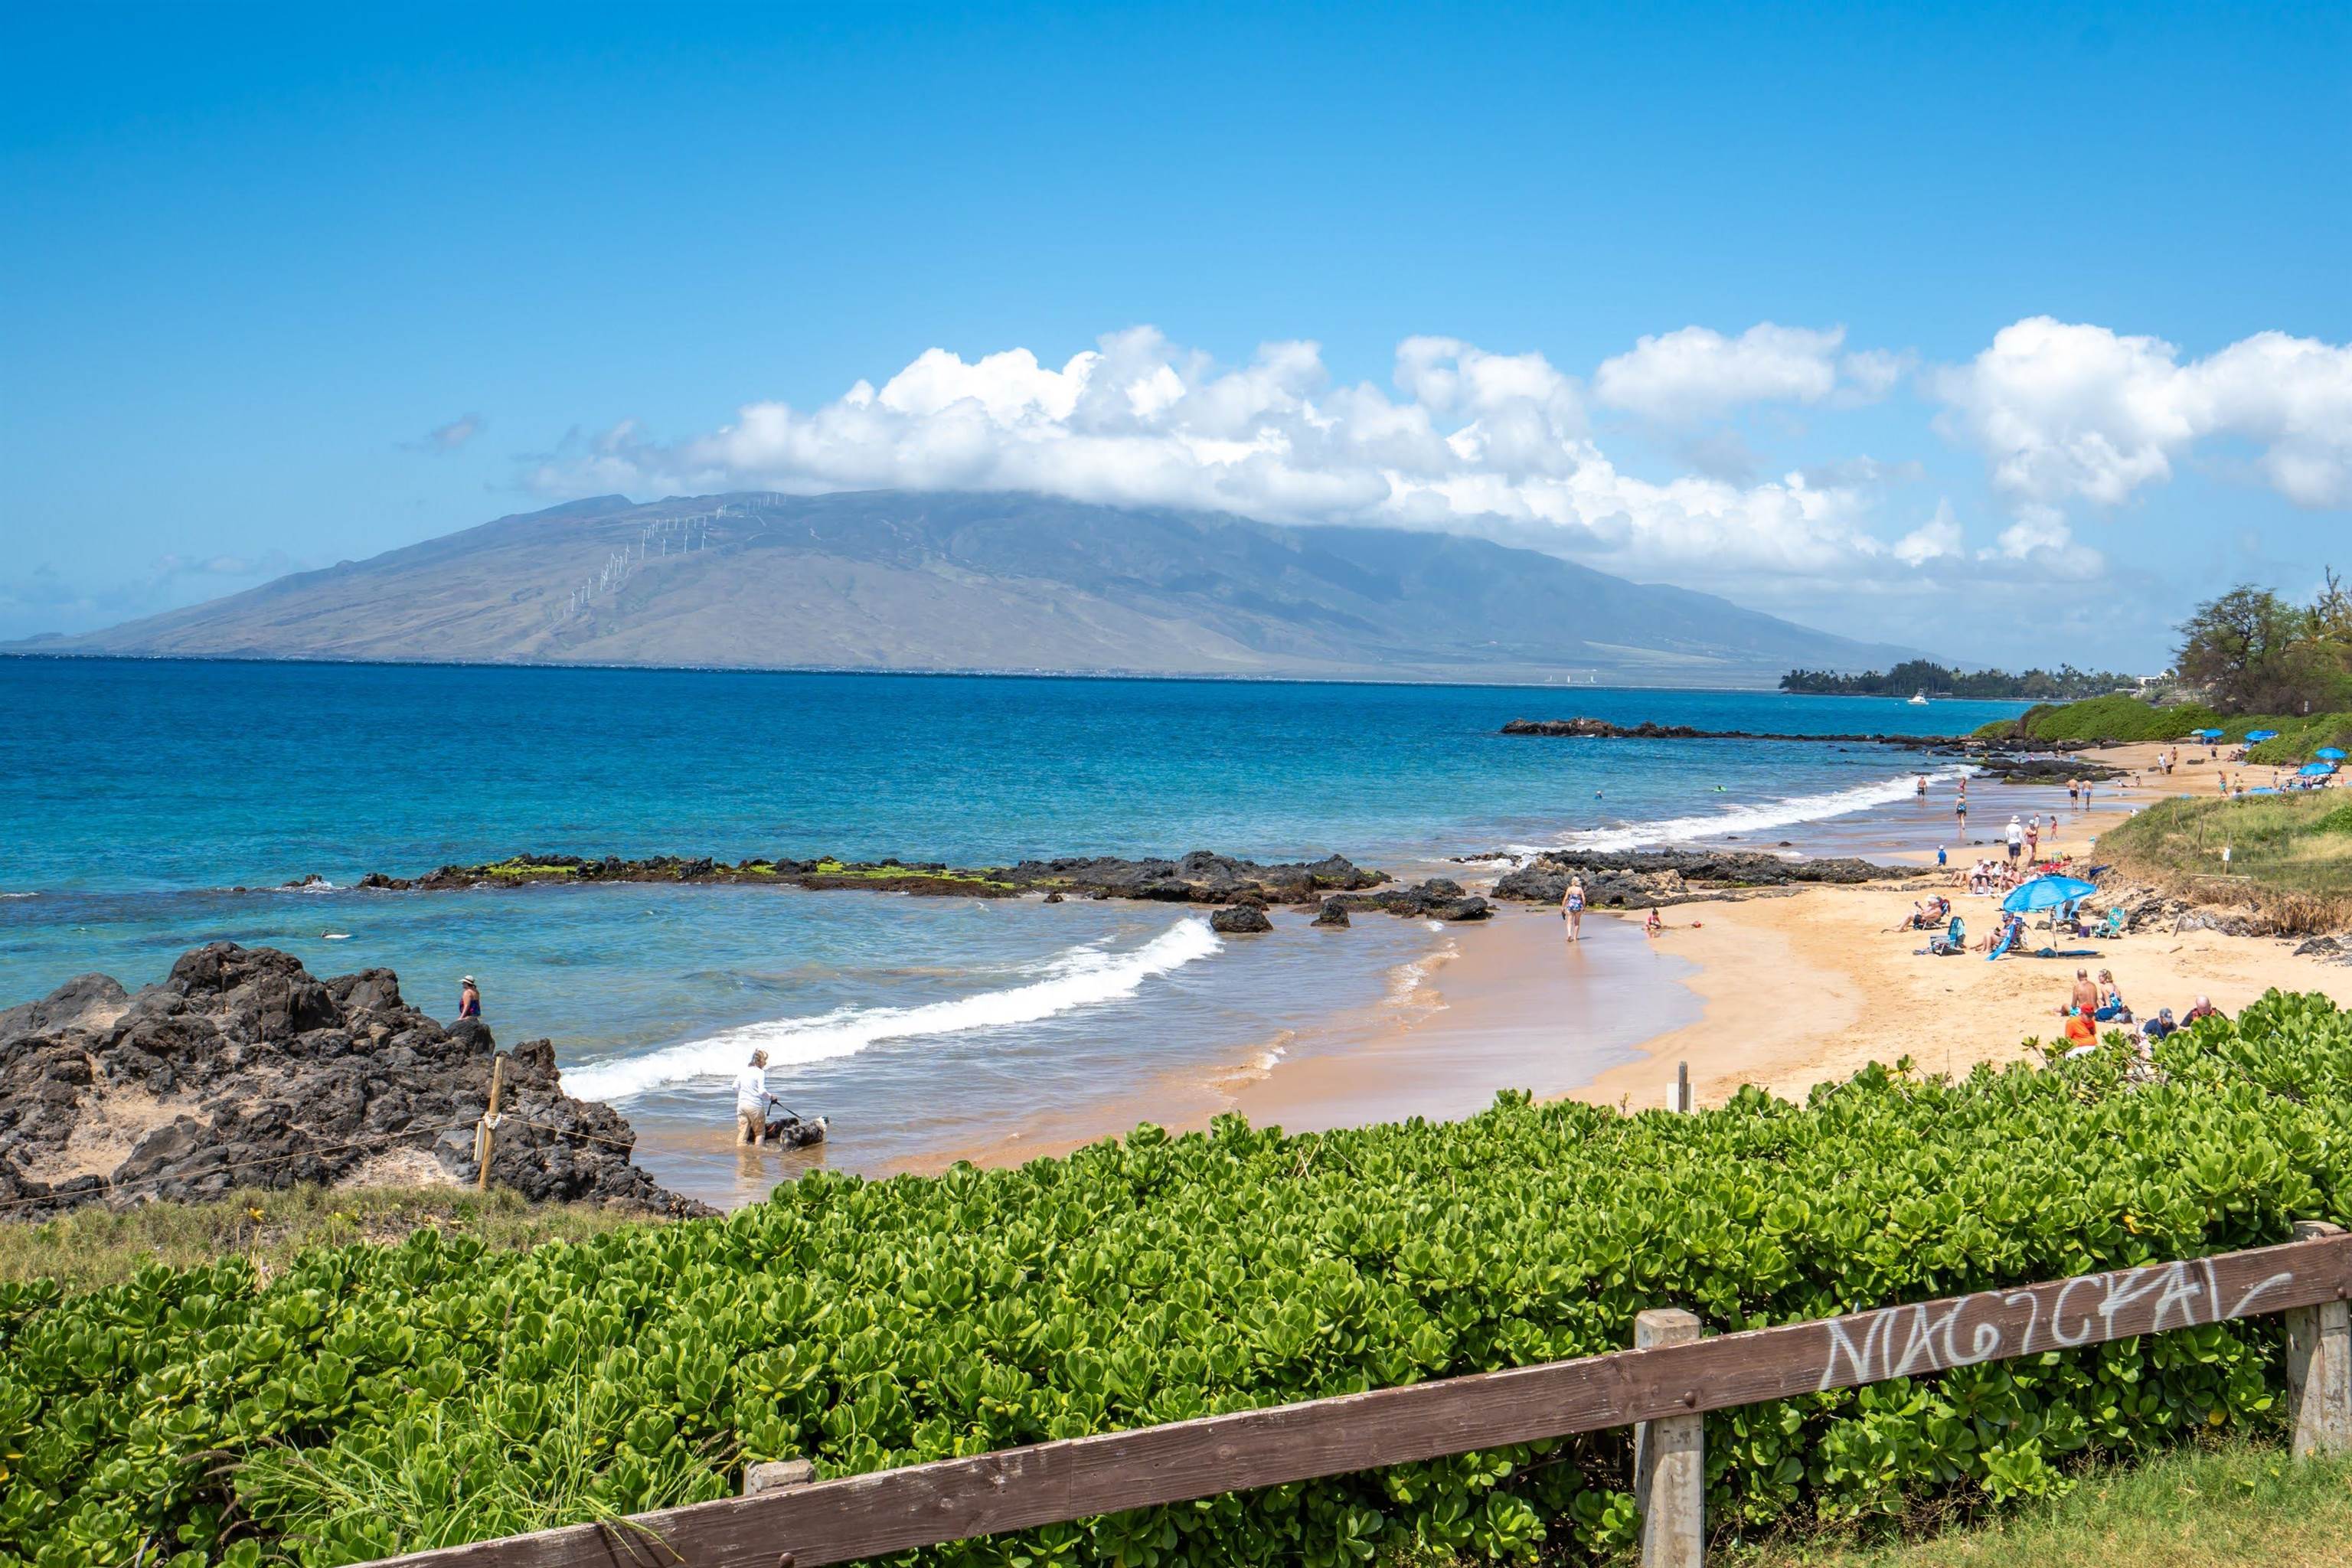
372 1400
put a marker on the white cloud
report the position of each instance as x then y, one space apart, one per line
1938 538
1470 439
450 437
1696 373
2065 411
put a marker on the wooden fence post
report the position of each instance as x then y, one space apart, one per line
486 1137
777 1475
2319 1367
1670 1461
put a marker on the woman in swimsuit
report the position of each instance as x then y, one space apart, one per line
1571 909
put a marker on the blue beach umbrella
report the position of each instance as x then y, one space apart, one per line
2262 735
2316 770
2047 893
2206 735
2333 754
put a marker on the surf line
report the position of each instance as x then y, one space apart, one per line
1786 812
1082 977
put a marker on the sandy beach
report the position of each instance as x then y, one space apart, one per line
1807 986
1784 988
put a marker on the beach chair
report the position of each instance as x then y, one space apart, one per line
1953 939
2115 925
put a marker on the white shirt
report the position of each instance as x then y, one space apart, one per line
752 1089
2016 833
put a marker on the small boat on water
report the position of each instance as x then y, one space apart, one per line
1917 699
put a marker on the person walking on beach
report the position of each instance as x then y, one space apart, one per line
2033 838
751 1100
2016 837
470 998
1571 908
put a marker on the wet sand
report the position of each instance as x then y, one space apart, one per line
1504 1004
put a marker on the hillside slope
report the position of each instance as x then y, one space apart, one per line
886 580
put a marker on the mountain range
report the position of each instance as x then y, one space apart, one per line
893 580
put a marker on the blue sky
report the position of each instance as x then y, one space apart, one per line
256 258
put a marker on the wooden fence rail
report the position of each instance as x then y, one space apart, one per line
1660 1388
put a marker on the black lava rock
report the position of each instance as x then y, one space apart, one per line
245 1070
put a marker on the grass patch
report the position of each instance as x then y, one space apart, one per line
93 1247
2293 854
2240 1503
526 868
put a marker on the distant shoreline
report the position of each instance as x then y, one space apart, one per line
1761 688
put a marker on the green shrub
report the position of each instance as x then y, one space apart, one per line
2298 737
2118 719
370 1400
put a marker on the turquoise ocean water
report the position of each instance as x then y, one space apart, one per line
134 795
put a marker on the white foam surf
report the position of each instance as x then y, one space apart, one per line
1083 977
1787 811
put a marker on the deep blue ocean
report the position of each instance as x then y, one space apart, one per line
134 795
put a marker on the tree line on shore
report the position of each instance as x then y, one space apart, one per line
1950 681
2248 650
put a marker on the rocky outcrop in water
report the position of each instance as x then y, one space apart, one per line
1981 753
1438 899
1654 879
2044 770
1603 730
1200 878
243 1069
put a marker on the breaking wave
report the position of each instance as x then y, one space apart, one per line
1783 813
1082 977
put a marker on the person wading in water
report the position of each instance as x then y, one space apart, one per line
470 998
751 1100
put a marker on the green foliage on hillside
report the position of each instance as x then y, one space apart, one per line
2104 719
2131 718
2298 737
371 1399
